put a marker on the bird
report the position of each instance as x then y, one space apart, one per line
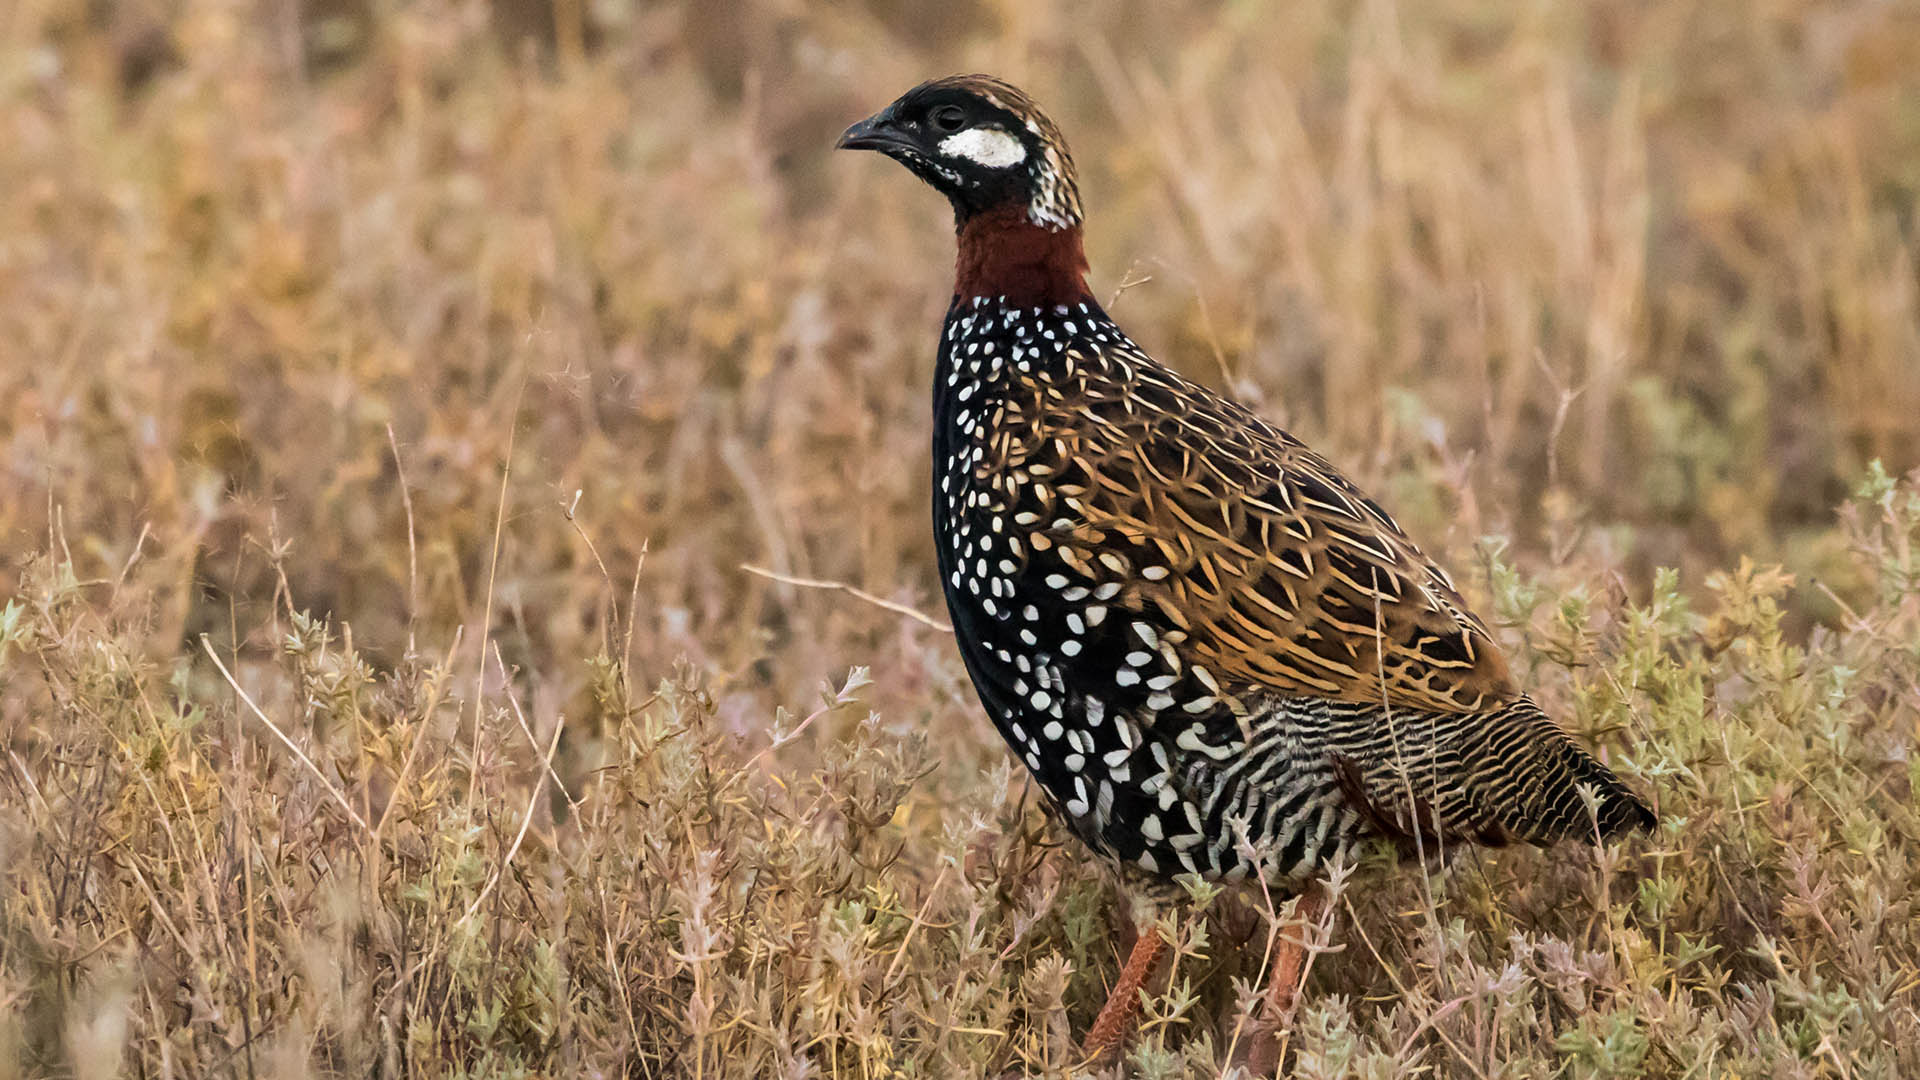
1214 653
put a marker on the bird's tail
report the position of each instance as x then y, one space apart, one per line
1525 773
1494 778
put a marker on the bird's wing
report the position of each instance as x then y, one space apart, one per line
1269 567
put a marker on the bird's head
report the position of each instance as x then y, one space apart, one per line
983 144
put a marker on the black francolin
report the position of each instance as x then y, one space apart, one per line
1214 653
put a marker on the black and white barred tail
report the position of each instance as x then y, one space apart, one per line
1295 783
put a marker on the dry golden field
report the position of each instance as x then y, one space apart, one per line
394 396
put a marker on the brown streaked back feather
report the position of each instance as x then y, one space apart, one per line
1278 573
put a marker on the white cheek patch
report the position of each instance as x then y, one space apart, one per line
992 147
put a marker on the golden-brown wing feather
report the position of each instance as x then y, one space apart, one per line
1268 565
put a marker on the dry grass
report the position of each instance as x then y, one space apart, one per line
393 393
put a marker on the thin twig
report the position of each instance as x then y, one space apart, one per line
513 701
854 591
290 744
526 819
436 693
1405 992
139 542
782 740
591 550
486 613
633 615
1129 280
413 563
27 776
919 917
1266 957
159 909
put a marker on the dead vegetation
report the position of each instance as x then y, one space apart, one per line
395 395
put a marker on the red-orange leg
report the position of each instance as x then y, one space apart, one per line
1115 1024
1283 984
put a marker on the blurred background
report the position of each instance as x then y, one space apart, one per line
434 371
1627 284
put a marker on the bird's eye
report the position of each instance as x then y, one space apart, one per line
948 118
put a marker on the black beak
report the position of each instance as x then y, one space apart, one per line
876 132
